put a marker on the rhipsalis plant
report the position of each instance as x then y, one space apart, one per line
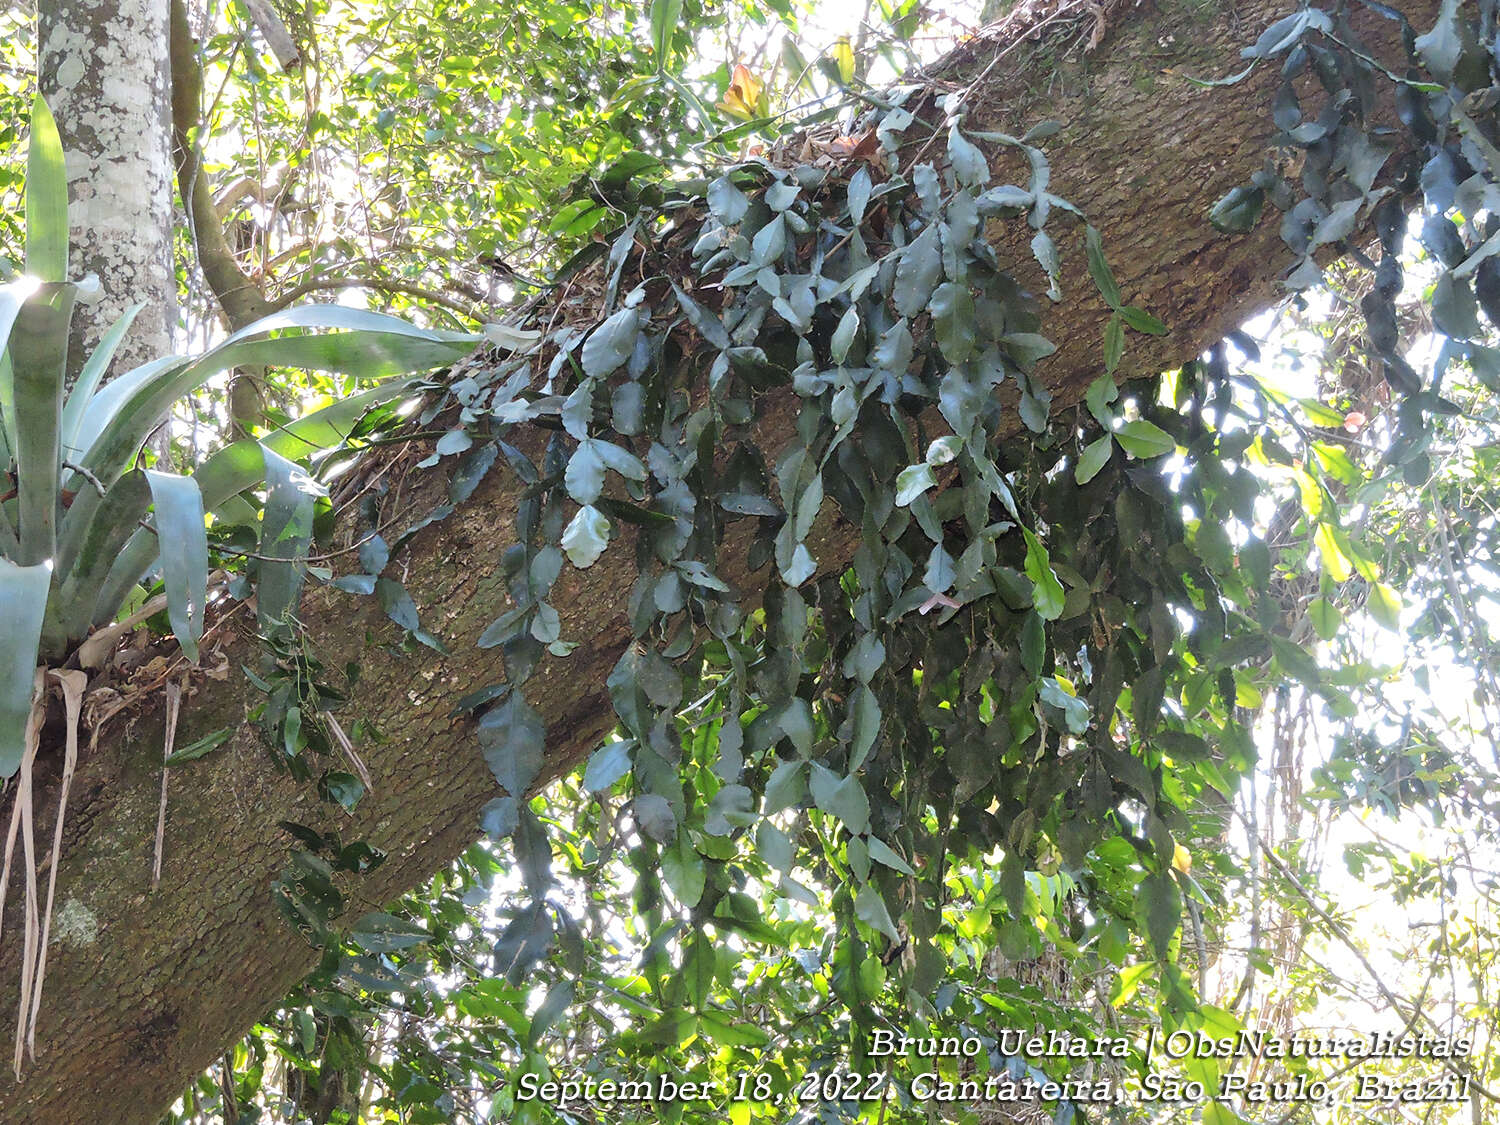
992 668
1016 722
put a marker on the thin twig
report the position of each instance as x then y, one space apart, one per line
73 685
174 704
24 814
86 475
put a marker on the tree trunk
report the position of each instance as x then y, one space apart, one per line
145 987
102 66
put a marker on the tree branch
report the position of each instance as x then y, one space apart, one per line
146 988
275 33
384 285
239 297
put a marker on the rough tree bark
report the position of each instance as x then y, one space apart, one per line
145 987
103 69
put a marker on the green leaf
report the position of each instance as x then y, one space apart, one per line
1161 904
1099 270
731 1031
727 202
378 932
969 164
1027 347
769 243
709 326
1239 210
666 15
286 532
399 607
844 334
500 817
23 600
1384 604
1075 711
183 540
912 481
1325 618
870 908
39 353
1142 321
1144 439
606 766
953 318
784 787
1114 342
1442 47
1033 644
858 192
882 852
843 797
46 198
1331 552
1094 457
684 870
610 344
1044 250
585 537
655 816
513 739
1047 592
557 1001
584 476
917 273
199 747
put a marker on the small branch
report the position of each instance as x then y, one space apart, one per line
1336 928
246 187
275 33
86 475
384 285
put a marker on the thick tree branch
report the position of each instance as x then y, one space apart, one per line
239 297
146 987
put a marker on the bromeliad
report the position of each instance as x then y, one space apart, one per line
82 523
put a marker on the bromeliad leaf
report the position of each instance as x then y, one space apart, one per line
183 542
23 599
39 353
88 381
46 198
